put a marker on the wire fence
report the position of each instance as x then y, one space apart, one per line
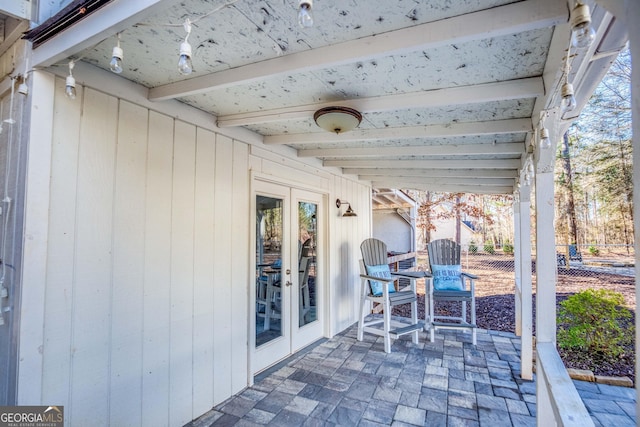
578 268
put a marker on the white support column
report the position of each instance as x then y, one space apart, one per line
525 321
517 261
546 272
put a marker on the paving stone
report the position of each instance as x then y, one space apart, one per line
491 402
462 399
379 411
476 376
345 416
483 388
493 417
523 420
464 413
288 419
259 416
409 399
454 421
517 407
387 394
436 419
302 405
207 419
323 410
433 400
274 402
436 382
361 390
291 386
602 406
620 393
226 420
629 408
462 385
509 393
614 420
410 415
238 406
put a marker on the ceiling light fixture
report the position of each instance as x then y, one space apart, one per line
582 32
337 119
185 66
116 58
305 19
568 99
70 86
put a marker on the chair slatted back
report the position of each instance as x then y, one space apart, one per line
374 252
444 252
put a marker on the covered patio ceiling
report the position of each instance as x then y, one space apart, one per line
450 92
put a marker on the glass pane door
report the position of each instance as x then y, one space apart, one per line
269 237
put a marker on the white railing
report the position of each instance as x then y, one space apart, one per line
558 401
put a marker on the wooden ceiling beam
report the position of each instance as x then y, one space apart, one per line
495 127
513 148
460 95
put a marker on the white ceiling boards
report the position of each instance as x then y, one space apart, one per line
441 85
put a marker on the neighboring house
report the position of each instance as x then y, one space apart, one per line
394 219
446 229
134 205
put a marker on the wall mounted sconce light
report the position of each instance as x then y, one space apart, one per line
349 211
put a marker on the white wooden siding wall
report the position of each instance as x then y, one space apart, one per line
145 290
145 299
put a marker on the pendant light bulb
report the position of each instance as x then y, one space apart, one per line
116 59
185 66
305 19
582 32
70 85
545 141
568 98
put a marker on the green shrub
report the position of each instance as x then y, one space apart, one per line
473 248
507 248
594 251
595 321
488 248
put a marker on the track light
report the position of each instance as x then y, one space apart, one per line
70 87
568 99
116 58
582 33
185 66
305 19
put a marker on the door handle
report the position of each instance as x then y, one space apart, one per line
288 283
288 271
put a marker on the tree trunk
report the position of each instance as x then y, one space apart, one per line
571 208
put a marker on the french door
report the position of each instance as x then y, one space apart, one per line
287 285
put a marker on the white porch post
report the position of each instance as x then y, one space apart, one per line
546 272
524 307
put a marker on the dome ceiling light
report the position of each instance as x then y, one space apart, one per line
337 119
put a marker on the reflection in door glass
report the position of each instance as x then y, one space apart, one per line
307 241
269 225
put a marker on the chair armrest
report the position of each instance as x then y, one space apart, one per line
411 274
469 275
379 279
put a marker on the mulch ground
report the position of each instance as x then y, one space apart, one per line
495 305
